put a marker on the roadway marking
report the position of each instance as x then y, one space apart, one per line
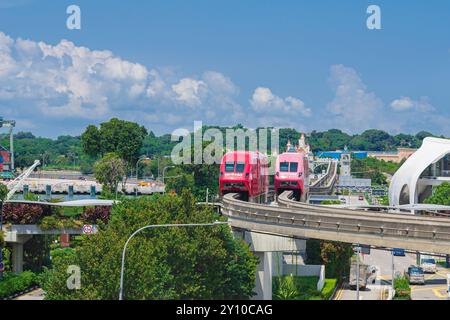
339 293
437 293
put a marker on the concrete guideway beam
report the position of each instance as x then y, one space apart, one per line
350 226
264 246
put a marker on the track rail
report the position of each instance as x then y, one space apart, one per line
295 219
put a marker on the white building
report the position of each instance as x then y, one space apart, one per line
427 167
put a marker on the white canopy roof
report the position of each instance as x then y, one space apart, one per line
431 151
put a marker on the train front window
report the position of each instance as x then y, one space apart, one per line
240 166
293 167
284 166
229 167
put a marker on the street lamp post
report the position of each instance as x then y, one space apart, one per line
393 268
137 166
164 172
164 176
358 249
157 226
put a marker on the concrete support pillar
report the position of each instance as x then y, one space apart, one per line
17 257
264 276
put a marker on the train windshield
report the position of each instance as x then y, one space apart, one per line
284 166
288 166
229 167
293 167
240 166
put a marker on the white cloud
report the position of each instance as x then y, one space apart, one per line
190 91
406 104
66 81
353 104
264 102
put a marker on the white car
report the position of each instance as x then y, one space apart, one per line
428 265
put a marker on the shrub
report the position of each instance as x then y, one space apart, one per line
402 289
93 215
22 213
296 288
54 222
13 283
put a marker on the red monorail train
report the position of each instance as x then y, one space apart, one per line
292 173
245 173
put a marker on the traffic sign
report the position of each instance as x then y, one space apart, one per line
88 229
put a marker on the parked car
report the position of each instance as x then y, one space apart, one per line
398 252
361 198
428 265
82 178
415 275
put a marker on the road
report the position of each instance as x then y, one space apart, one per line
354 200
434 289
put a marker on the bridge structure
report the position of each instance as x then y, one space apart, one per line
296 220
18 235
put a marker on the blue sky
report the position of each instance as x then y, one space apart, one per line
309 65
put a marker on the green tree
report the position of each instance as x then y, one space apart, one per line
178 180
122 137
166 263
91 141
109 171
441 195
335 255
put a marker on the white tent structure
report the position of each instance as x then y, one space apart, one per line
407 185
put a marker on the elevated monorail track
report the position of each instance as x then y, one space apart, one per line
299 220
326 183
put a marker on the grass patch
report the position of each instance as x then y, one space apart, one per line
296 288
328 288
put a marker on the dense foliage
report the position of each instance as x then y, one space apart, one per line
165 263
16 283
22 213
121 137
130 140
96 214
335 255
441 195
